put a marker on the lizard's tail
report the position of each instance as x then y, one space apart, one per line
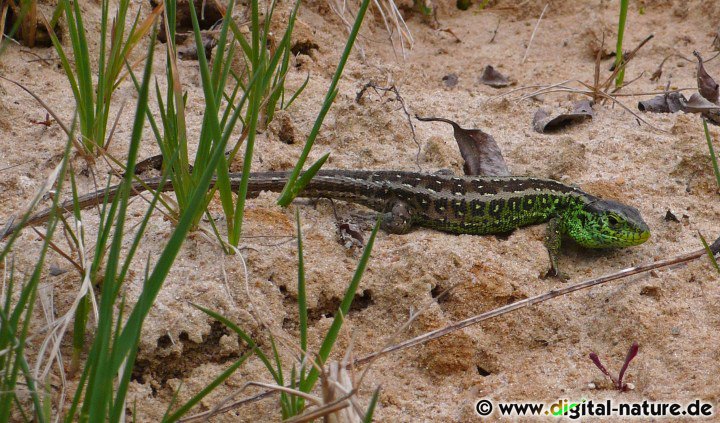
348 186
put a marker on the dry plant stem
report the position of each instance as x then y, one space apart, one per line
495 32
272 388
591 92
715 248
532 36
528 87
625 84
605 86
207 414
58 330
348 27
615 101
389 32
47 108
60 251
50 312
399 98
14 166
329 408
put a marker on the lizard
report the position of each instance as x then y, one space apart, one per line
478 205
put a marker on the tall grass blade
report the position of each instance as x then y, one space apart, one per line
710 253
371 407
619 49
289 192
332 334
15 321
713 157
207 389
302 295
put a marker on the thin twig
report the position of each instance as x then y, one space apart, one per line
495 32
58 250
532 36
715 248
399 98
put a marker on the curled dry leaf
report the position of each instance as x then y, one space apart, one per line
698 104
544 123
493 78
706 84
479 150
664 103
350 235
674 101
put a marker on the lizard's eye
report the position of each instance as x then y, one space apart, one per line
613 220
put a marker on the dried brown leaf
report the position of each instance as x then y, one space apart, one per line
544 123
698 103
493 78
706 84
350 235
479 150
664 103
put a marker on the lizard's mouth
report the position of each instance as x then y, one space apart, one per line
626 239
618 239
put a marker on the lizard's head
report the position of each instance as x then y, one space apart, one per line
607 224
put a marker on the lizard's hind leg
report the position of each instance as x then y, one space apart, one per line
398 220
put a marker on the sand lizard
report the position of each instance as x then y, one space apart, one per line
457 204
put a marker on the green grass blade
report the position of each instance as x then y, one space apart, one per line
208 388
713 157
98 396
332 334
309 174
302 295
619 49
297 93
371 407
131 332
709 253
16 322
287 195
244 336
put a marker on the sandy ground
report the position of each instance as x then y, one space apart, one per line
538 353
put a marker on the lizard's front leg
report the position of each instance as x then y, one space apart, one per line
398 220
553 239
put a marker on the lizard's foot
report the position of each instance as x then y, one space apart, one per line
398 220
554 272
552 243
